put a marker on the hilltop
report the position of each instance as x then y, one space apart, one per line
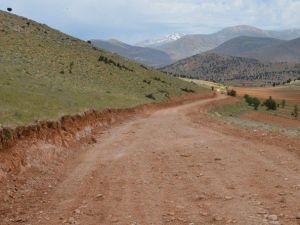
46 74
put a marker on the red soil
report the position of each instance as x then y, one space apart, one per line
278 93
161 165
69 131
267 118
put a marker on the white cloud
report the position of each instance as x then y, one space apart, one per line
136 19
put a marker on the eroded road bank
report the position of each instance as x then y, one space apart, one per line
167 168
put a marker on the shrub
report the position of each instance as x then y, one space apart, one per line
231 93
112 62
270 104
147 81
187 90
255 103
151 96
9 9
247 99
252 101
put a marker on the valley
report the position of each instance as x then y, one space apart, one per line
186 129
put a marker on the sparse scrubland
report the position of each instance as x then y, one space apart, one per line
281 111
234 70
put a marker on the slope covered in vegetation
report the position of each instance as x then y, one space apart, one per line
234 70
45 74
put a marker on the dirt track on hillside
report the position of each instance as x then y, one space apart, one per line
173 166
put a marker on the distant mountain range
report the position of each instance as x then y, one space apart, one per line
242 41
190 45
148 56
233 70
264 49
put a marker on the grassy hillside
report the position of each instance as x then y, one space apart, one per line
233 70
46 74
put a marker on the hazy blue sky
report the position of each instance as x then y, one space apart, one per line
135 20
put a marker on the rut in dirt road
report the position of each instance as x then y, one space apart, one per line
166 169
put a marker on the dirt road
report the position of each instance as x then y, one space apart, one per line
168 169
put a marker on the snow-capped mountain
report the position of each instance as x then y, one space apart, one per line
161 41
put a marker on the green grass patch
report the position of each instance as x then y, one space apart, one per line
234 109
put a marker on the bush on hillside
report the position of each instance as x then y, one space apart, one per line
151 96
231 93
112 62
270 104
255 103
252 101
147 81
247 98
187 90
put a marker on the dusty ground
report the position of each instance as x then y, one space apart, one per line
268 118
173 166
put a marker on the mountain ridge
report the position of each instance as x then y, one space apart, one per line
193 44
263 49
